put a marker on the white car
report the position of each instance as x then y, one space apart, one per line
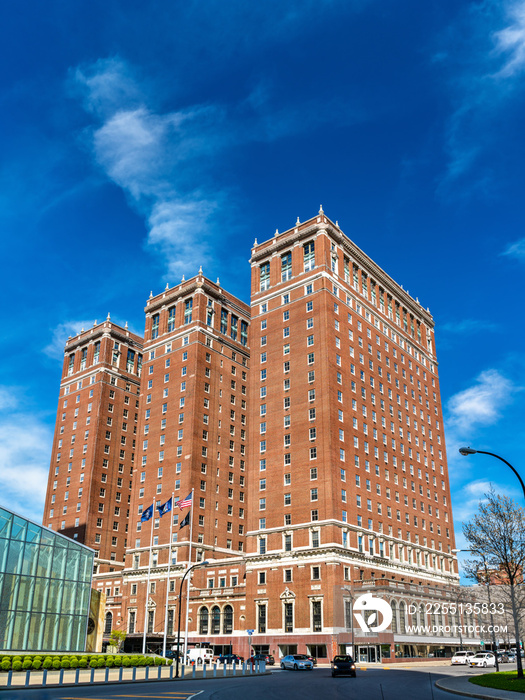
483 658
296 662
461 657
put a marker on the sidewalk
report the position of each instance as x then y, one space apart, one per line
82 677
460 685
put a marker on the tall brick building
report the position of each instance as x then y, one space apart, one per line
90 478
339 487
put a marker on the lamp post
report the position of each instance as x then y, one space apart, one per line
487 578
469 451
190 568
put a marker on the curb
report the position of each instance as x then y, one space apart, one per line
509 693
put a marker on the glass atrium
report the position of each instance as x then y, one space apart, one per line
45 587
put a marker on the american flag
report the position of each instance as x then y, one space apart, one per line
186 502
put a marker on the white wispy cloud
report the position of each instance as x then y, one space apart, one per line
516 250
25 450
169 162
486 64
510 42
480 404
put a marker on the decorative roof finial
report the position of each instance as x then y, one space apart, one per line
276 231
337 223
297 222
108 317
151 295
167 287
183 279
95 323
126 325
255 243
321 209
218 283
200 270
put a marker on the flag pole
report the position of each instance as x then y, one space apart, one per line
168 578
189 579
147 585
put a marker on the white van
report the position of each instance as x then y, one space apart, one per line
199 655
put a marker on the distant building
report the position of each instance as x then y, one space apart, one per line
309 428
45 588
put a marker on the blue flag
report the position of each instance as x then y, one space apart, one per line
147 514
165 508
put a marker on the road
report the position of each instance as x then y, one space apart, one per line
370 684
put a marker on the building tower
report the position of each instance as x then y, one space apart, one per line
347 467
93 454
192 436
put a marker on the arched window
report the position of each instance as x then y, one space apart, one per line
227 624
215 620
402 618
203 620
109 623
393 605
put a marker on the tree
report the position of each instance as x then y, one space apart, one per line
116 639
496 538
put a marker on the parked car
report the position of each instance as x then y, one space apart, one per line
483 658
296 662
503 657
511 655
268 658
230 659
461 657
343 666
313 660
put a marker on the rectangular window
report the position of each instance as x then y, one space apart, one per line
264 272
188 311
286 267
309 256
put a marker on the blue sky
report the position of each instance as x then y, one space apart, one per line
140 141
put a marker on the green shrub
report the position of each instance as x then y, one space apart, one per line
17 665
65 663
47 663
126 662
117 660
169 662
142 661
26 664
159 661
36 664
56 664
109 662
150 660
74 663
5 665
83 662
134 661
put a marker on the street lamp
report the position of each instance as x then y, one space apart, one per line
190 568
487 577
469 451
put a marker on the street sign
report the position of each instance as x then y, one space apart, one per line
250 632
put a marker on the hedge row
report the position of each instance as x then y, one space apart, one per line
37 662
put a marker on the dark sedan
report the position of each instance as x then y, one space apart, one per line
230 659
268 658
343 666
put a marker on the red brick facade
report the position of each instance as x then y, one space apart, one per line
340 484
